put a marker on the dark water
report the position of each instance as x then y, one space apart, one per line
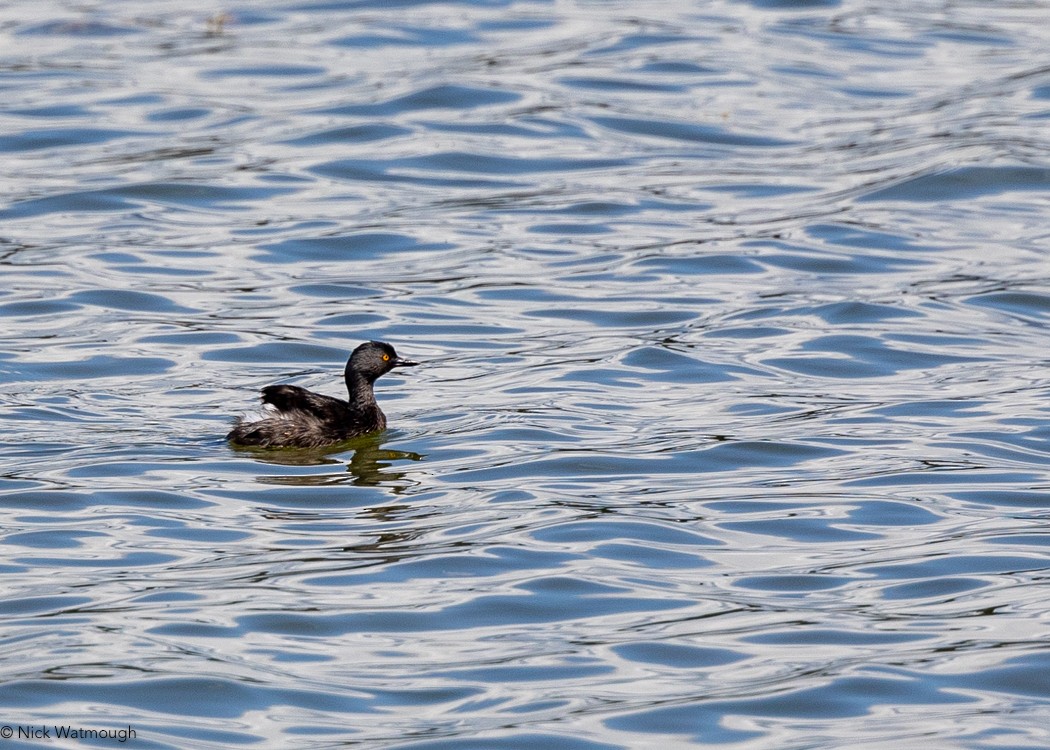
734 424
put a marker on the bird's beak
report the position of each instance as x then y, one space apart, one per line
402 362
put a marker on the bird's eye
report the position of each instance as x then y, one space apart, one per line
386 357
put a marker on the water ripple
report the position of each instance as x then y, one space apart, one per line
731 427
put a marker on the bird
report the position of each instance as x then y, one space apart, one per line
304 419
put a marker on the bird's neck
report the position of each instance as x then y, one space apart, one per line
359 389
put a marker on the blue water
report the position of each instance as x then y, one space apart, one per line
733 427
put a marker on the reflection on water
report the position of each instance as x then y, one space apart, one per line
369 464
733 425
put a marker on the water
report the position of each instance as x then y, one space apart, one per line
733 425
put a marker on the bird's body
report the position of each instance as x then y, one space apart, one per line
304 419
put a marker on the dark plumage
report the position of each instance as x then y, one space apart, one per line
305 419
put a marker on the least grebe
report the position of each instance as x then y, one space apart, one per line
305 419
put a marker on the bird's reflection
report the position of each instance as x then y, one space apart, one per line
369 465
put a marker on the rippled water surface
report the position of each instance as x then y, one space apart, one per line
733 424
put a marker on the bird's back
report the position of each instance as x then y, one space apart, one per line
304 419
292 398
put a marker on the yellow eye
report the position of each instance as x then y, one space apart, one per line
386 357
